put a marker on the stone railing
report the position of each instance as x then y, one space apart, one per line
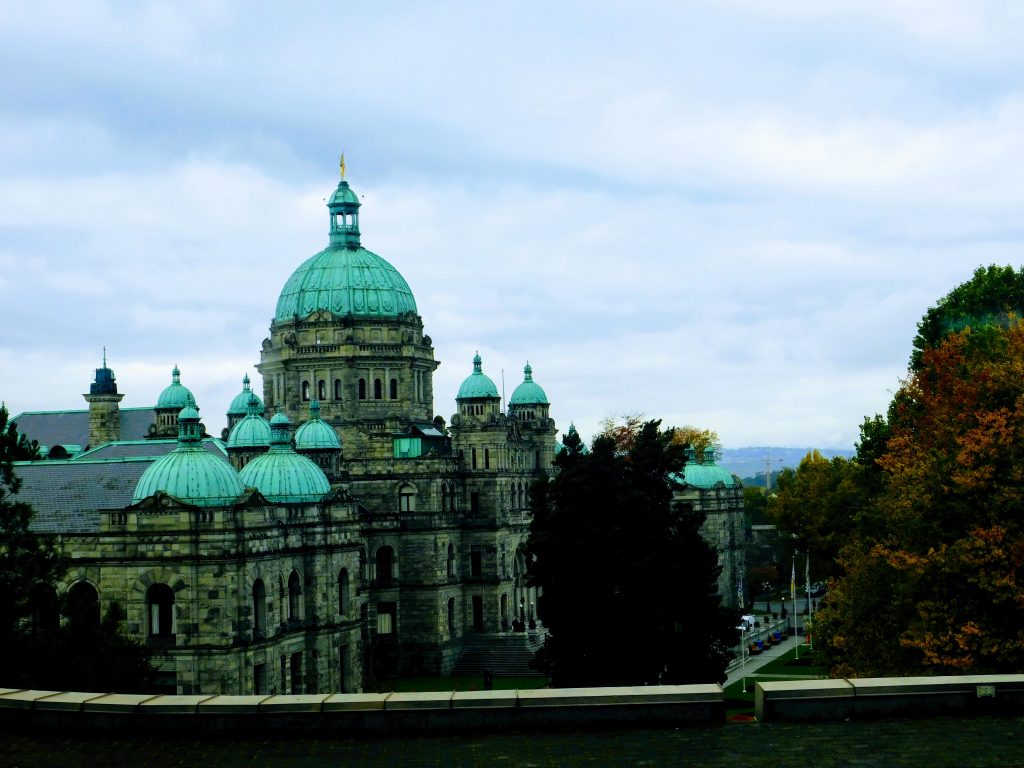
344 714
888 696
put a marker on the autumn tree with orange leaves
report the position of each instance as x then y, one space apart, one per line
934 569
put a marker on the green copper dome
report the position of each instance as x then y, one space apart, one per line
240 405
345 278
316 434
190 472
174 396
529 392
253 431
281 474
705 474
477 384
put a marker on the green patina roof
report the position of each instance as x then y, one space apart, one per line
529 392
174 396
477 384
240 404
345 277
190 472
316 434
706 474
281 474
253 431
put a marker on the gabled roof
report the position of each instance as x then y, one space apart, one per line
52 428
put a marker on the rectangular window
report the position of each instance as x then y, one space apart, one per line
284 674
487 458
474 502
297 672
385 618
476 557
259 679
474 459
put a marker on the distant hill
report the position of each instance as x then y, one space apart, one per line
749 463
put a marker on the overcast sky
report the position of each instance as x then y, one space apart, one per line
728 213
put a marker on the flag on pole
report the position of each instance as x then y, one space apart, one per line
792 583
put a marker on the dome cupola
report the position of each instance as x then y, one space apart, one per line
529 392
240 404
477 385
706 474
345 278
253 431
316 434
190 472
175 396
281 474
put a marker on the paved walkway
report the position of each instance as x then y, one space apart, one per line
737 669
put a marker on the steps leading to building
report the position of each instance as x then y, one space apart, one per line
507 654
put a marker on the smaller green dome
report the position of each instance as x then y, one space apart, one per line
240 405
174 396
477 384
316 434
282 475
190 472
706 474
253 431
529 392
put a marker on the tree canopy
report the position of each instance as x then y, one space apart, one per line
629 586
991 297
935 577
624 430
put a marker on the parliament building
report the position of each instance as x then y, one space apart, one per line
338 532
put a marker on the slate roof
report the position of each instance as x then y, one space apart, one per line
52 428
67 495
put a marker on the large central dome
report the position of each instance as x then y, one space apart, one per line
345 278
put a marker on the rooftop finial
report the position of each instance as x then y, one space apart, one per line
342 164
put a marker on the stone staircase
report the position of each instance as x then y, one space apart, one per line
506 654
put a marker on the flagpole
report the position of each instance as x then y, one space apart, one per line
807 583
796 611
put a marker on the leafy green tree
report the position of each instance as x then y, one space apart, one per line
26 558
629 586
992 296
817 506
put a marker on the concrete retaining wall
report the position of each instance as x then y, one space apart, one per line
363 714
888 696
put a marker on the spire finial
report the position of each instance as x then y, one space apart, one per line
342 165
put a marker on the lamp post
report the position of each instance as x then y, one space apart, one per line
743 655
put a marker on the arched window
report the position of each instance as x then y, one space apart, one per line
337 389
305 390
362 389
321 390
394 389
451 614
294 596
406 499
259 609
83 606
385 565
451 559
160 613
343 599
377 390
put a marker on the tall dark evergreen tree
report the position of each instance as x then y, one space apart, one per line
628 584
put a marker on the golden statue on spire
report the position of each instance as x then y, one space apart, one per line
342 165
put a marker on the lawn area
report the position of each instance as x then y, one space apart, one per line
416 684
786 667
